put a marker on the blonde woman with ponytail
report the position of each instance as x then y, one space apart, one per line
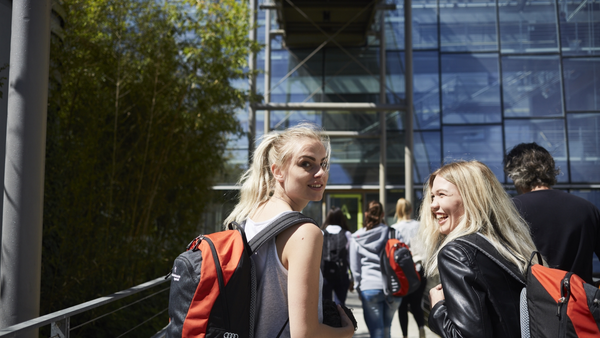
367 243
476 297
288 170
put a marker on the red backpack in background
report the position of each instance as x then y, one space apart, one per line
398 268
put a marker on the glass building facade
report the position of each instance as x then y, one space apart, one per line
487 75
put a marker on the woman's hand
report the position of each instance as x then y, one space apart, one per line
436 294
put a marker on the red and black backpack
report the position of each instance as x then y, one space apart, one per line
213 283
554 303
398 268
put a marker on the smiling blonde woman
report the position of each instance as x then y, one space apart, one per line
476 298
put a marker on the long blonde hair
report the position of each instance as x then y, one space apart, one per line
488 210
258 183
403 210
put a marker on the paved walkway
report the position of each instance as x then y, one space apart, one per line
413 332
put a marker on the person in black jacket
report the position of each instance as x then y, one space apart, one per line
476 297
564 227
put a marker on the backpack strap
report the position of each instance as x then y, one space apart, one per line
391 232
278 226
481 243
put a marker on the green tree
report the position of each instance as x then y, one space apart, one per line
141 104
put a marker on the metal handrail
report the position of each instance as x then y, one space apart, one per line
65 314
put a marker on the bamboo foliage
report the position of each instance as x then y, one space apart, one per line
141 105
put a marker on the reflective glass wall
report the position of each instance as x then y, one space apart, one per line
509 72
487 76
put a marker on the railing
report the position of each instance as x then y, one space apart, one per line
60 320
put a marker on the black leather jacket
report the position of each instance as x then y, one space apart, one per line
482 300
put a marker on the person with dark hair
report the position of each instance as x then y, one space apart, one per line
378 304
334 265
407 229
564 227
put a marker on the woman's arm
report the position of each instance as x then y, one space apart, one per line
301 256
464 312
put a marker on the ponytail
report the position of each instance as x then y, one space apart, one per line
374 215
258 183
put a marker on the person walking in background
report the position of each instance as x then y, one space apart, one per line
564 227
476 298
367 243
288 170
334 265
406 230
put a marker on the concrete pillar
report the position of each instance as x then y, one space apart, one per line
408 146
20 272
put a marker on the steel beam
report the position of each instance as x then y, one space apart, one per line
348 106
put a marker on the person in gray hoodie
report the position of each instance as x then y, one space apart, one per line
367 243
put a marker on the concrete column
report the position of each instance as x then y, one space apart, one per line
252 82
5 22
20 273
382 124
267 122
408 147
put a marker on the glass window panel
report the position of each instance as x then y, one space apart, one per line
363 122
424 25
236 165
396 77
426 95
468 25
304 85
584 147
354 161
470 88
591 195
352 78
395 157
579 27
531 86
528 26
281 120
260 29
482 143
395 120
426 92
582 84
260 77
549 134
427 153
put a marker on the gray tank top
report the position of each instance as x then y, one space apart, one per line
272 278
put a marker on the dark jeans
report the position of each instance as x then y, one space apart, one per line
414 300
339 286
